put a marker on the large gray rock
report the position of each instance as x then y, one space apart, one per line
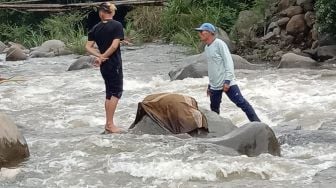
50 48
196 67
221 34
41 54
328 64
83 62
15 53
326 40
283 21
294 135
292 11
325 178
326 52
310 18
307 5
296 25
13 146
284 4
291 60
2 47
251 139
217 125
244 28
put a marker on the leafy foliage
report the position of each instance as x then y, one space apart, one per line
32 31
326 16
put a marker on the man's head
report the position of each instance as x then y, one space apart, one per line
106 10
206 32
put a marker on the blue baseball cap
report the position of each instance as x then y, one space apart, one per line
207 27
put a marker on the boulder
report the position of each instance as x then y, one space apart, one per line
17 45
283 21
277 31
292 11
174 113
284 4
2 47
196 67
251 139
171 113
41 54
291 60
241 63
310 18
314 34
296 25
268 36
271 26
286 40
15 53
217 125
83 62
326 40
193 67
326 176
326 52
245 26
295 136
221 34
307 5
155 113
56 47
13 146
311 53
329 64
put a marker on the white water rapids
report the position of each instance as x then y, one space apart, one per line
61 115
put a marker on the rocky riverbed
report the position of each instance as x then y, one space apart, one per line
61 115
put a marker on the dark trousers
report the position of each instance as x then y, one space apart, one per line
236 97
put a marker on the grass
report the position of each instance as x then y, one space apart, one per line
65 27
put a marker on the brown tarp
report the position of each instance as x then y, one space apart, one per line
174 112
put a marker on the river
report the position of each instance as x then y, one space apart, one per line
61 115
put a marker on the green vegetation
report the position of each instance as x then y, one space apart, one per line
326 16
176 21
32 29
172 23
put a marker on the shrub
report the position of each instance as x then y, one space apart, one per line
326 16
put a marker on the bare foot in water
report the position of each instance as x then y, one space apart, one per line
112 129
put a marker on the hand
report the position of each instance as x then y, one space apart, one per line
99 60
102 58
226 88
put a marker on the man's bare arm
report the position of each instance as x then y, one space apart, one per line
89 46
114 46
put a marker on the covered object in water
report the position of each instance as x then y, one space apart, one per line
173 112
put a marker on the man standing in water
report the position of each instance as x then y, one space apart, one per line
221 72
107 34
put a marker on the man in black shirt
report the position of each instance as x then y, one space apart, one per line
107 34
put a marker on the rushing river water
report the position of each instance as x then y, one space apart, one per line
61 116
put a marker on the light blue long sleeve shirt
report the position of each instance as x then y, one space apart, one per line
220 65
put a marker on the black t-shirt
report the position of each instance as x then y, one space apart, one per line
104 33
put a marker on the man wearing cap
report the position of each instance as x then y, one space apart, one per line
221 72
107 34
